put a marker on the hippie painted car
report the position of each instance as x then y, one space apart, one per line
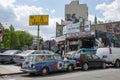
45 63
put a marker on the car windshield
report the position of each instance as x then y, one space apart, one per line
27 52
72 52
10 52
46 52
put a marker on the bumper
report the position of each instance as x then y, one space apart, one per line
29 71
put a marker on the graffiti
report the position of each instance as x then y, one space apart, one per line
117 29
72 17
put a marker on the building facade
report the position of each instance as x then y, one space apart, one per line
77 32
112 27
74 10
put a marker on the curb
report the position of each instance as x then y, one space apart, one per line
11 73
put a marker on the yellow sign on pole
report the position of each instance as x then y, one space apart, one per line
38 20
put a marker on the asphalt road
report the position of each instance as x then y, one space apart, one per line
93 74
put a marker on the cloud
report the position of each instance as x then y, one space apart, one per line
7 3
18 16
53 11
110 11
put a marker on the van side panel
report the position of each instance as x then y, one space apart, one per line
115 54
104 53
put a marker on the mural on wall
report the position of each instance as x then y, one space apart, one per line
71 17
109 28
114 28
117 29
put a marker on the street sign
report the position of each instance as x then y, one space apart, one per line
38 20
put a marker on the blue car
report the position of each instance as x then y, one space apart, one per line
45 63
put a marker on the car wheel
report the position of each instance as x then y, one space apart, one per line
44 71
103 65
70 68
2 62
85 66
117 64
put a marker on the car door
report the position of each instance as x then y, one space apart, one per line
96 61
55 62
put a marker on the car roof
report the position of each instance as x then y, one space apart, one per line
87 49
44 54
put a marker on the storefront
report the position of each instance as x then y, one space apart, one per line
89 39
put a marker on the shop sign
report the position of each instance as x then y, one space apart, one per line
61 38
71 28
87 25
73 42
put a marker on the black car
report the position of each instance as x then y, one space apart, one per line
88 60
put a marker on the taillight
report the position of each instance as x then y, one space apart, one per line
79 59
110 50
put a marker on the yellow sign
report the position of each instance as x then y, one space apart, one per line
38 20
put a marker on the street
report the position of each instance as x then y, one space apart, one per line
92 74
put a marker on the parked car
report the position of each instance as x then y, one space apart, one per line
45 63
110 54
8 56
21 56
83 50
87 59
68 54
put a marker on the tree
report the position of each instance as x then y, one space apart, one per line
6 38
95 20
13 39
24 38
100 22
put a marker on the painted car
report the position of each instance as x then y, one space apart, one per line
21 56
45 63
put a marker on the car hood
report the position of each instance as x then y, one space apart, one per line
5 54
22 55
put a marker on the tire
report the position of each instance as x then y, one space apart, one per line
117 64
85 66
31 73
103 65
44 71
2 62
70 68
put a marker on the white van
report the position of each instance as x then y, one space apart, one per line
110 54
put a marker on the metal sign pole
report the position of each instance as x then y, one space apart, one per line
38 39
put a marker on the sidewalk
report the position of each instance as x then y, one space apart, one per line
9 69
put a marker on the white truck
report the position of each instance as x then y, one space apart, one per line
110 54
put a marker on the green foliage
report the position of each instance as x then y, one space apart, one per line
100 22
12 38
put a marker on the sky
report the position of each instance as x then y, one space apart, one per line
16 12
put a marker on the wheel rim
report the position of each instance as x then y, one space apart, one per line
104 65
85 66
117 64
70 68
44 71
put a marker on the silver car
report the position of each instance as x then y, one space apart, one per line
8 56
